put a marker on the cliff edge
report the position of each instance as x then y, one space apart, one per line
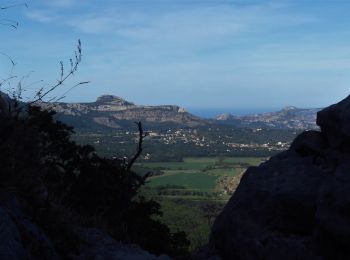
297 204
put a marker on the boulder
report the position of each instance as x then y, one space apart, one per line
34 240
309 142
99 245
297 204
11 247
334 122
21 238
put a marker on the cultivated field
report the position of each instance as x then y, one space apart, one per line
198 174
187 190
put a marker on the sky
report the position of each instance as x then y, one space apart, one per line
197 54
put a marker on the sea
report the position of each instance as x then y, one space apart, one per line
213 112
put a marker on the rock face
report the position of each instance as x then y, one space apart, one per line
11 245
335 124
99 245
21 238
113 100
297 204
109 111
288 118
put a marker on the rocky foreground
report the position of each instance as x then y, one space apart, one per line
20 236
297 204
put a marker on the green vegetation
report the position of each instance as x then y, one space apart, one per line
225 171
67 185
197 173
174 143
199 181
192 192
182 215
103 192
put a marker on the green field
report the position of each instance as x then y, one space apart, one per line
203 162
252 161
197 173
188 180
225 171
186 165
183 188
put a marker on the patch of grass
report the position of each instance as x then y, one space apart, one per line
201 180
171 172
201 160
188 180
175 165
251 161
192 163
225 171
179 216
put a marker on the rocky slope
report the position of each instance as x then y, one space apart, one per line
21 238
297 204
287 118
110 111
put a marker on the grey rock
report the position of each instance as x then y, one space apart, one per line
287 118
20 238
273 208
11 247
34 239
297 204
110 111
100 246
334 122
309 142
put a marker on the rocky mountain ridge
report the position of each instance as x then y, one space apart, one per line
289 117
108 110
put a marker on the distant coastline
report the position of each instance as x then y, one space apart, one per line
213 112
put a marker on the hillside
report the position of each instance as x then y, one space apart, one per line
288 118
110 112
114 112
108 123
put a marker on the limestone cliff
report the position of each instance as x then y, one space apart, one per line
108 110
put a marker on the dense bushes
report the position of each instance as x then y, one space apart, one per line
65 185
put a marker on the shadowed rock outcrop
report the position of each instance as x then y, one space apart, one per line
21 238
297 204
99 245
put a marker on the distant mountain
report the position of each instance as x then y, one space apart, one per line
114 112
110 111
288 118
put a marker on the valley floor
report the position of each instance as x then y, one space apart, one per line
194 191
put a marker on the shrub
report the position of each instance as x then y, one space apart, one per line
43 166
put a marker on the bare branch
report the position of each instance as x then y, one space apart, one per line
42 93
70 89
138 148
3 81
10 59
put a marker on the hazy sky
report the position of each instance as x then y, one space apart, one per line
215 54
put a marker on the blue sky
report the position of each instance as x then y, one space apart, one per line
214 54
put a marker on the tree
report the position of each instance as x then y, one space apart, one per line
210 211
63 183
